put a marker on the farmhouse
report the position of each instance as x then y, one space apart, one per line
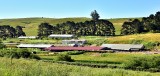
70 48
28 37
125 47
61 36
73 42
41 46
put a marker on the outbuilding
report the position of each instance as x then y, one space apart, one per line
40 46
70 48
73 42
61 36
124 47
28 37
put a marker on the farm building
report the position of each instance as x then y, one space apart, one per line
125 47
61 36
28 37
73 42
70 48
11 45
41 46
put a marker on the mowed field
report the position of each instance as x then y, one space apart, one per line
31 24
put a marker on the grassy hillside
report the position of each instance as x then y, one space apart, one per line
150 40
149 37
31 24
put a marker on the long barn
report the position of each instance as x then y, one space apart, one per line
41 46
124 47
70 48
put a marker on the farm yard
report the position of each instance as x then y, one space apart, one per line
80 46
71 63
77 62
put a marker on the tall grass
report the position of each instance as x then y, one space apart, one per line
22 67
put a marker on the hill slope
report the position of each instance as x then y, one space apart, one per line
31 24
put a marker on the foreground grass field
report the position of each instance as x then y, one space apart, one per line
117 59
24 67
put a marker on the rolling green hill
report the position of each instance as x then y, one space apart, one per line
31 24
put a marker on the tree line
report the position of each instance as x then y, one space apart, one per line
148 24
7 31
95 27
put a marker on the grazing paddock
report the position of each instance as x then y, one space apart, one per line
22 67
106 58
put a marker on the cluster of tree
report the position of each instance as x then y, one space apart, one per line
132 27
148 24
18 53
95 27
7 31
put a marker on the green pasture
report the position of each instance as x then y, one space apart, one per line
104 58
23 67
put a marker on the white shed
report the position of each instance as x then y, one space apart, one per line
61 36
34 45
73 42
28 37
124 46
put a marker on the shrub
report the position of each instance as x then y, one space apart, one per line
74 52
1 53
32 56
150 45
64 57
9 54
18 53
24 53
144 63
1 45
14 55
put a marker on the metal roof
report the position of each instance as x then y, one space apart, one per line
60 36
123 46
74 40
69 48
34 45
27 37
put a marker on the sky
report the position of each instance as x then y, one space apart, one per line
77 8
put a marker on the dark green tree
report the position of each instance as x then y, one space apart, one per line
138 26
127 28
95 15
104 28
132 27
7 31
157 21
20 31
45 29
